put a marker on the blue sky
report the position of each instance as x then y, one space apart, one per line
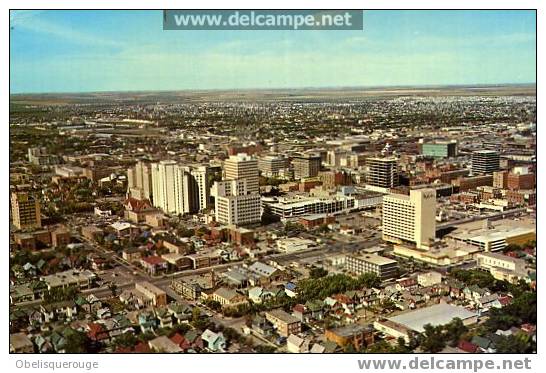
80 51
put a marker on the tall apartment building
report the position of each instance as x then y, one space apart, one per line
306 165
273 165
485 162
242 166
172 188
39 156
234 204
139 181
200 175
382 172
410 219
25 211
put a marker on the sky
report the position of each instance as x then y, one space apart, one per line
89 51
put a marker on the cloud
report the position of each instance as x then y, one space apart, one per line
30 21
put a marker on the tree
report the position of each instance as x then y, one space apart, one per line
519 343
454 330
317 272
433 339
369 280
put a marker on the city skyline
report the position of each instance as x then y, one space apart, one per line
93 51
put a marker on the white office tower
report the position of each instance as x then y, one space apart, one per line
173 188
242 166
234 204
410 219
139 181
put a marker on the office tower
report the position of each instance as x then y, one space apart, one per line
242 166
410 219
382 172
485 162
273 165
234 204
306 165
25 211
139 181
440 149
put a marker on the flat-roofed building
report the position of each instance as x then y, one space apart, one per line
383 267
306 165
382 172
440 149
157 296
243 166
485 162
283 322
410 219
25 211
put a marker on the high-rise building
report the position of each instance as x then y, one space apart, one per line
485 162
173 188
440 149
410 219
273 165
200 175
25 211
382 172
242 166
235 204
306 165
139 181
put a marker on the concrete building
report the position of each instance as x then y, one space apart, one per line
383 267
306 165
242 166
382 172
25 211
410 219
273 165
235 204
485 162
298 206
503 267
173 188
500 179
358 336
139 181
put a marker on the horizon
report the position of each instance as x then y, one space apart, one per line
348 88
128 51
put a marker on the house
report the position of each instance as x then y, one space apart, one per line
258 294
164 317
261 326
180 312
291 290
60 310
265 272
484 344
466 346
296 344
181 341
147 321
154 264
228 297
132 254
194 339
20 343
301 312
474 292
214 341
164 344
316 308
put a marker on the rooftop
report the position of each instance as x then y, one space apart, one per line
438 314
